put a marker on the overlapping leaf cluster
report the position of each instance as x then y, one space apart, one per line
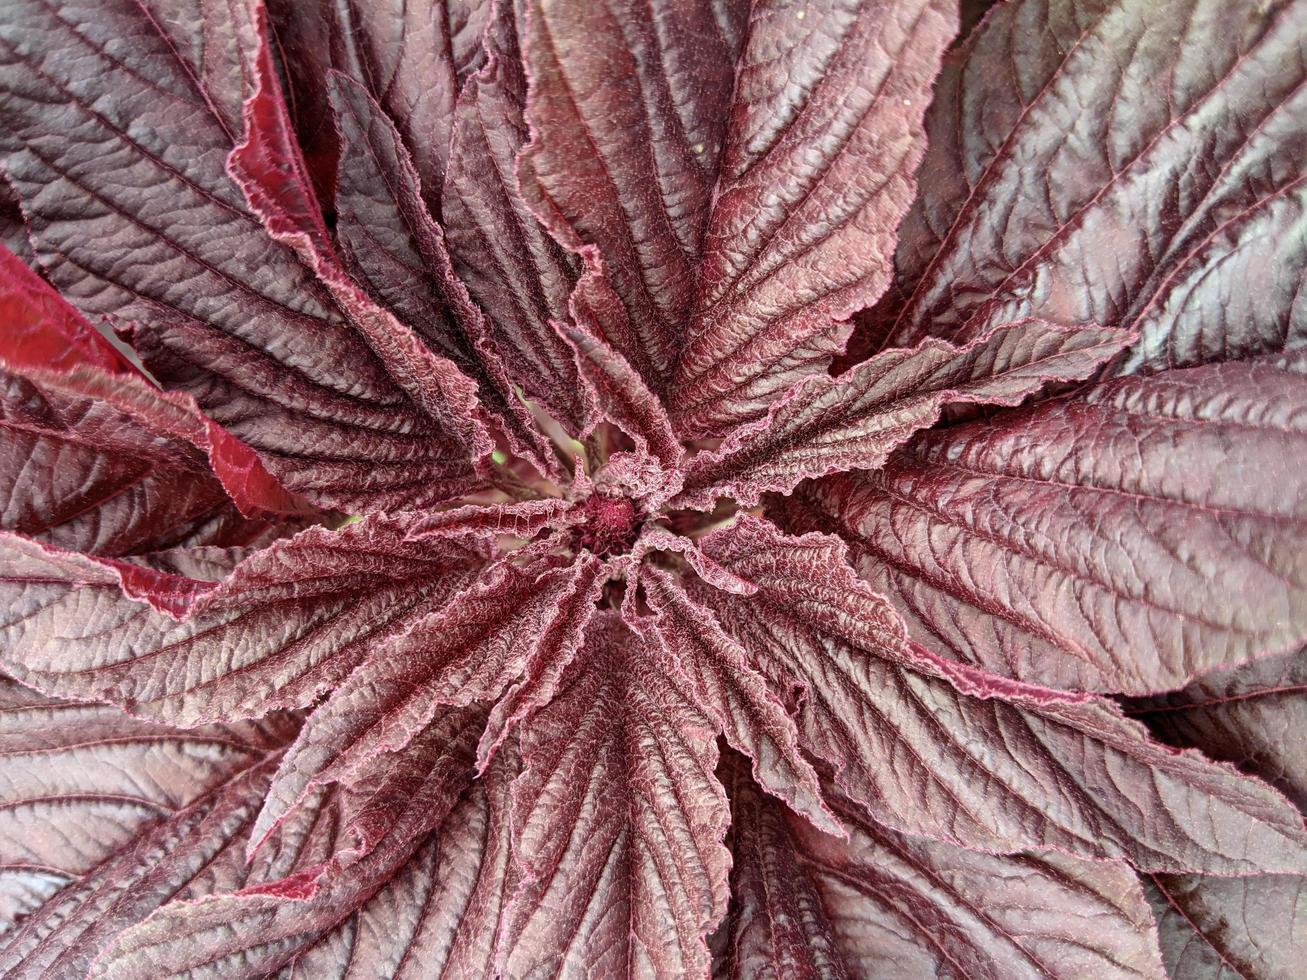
696 487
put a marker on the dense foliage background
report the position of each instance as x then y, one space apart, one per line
678 488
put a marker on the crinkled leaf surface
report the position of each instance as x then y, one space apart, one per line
287 624
752 719
540 298
1128 538
438 916
815 173
512 268
1227 928
830 425
399 253
617 821
627 108
1249 715
262 927
973 764
119 154
466 651
1252 716
81 782
882 904
1120 162
127 815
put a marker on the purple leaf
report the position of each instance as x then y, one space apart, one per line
1129 538
977 752
830 425
824 135
882 904
1230 928
617 821
260 928
628 105
438 916
514 271
397 250
82 782
106 148
1065 181
287 624
747 713
468 650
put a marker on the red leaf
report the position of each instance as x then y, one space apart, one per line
976 752
512 268
627 109
887 905
287 624
117 150
1129 538
828 425
617 821
42 330
124 814
1079 189
824 135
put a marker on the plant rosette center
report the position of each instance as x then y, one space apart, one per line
611 524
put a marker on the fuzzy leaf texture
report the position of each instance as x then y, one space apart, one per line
695 488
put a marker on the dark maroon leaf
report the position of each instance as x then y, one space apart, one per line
512 268
1250 715
1230 928
399 252
829 425
130 814
627 110
625 399
1252 926
438 916
124 466
81 782
542 307
976 752
286 625
1126 539
115 466
881 904
752 719
468 650
261 927
617 821
269 167
824 136
118 152
1123 164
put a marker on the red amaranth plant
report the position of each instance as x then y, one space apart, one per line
625 489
